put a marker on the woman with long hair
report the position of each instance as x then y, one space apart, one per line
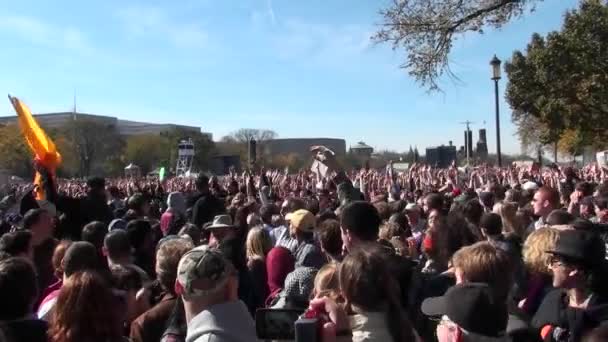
87 311
372 297
536 259
257 246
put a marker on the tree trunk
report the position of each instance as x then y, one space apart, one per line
555 152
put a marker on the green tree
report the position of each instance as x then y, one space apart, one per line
238 141
16 156
559 85
92 143
148 151
426 29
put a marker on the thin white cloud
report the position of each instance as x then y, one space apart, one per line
144 21
270 11
321 43
39 32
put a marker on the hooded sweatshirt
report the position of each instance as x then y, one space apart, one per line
226 322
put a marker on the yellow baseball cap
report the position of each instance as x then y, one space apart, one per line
303 220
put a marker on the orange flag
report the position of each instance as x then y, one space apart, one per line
39 142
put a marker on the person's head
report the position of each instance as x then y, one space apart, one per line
117 247
177 203
202 183
18 244
167 258
390 230
473 210
258 243
87 310
545 200
482 262
510 222
412 211
468 312
266 213
301 224
327 282
222 228
490 225
205 277
193 231
40 223
601 208
367 285
359 222
279 263
559 217
79 257
58 255
94 232
113 191
535 250
125 278
18 288
433 202
383 210
587 208
330 238
577 257
140 235
451 234
96 186
292 204
487 199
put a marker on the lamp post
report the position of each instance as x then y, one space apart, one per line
495 63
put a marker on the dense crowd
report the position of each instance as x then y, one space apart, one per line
427 254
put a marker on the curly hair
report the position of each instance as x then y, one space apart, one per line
535 257
86 310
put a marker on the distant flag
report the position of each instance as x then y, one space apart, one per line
40 144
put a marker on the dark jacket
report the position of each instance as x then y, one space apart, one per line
569 324
151 325
205 209
25 330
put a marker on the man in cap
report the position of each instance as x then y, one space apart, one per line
468 312
208 285
580 303
301 228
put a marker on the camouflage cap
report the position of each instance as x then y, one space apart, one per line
203 271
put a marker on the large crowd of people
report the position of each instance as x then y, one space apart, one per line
450 255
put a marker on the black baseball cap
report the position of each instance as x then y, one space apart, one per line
473 307
582 246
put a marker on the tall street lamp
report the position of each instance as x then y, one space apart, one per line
495 63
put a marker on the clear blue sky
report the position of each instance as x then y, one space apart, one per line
301 68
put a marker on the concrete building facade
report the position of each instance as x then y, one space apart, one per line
124 127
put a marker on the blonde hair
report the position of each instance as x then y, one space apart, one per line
388 230
327 282
535 257
258 243
482 262
510 222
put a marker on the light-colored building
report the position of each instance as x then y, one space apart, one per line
124 127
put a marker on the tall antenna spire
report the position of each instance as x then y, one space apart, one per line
74 109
